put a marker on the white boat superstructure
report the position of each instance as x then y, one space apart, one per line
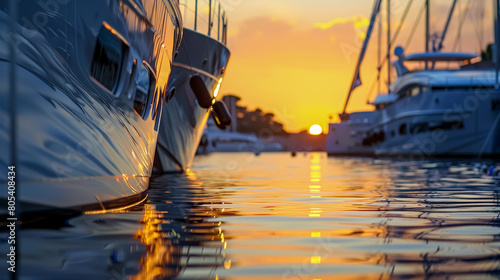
439 112
347 136
450 107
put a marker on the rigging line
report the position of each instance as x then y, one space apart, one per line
401 21
481 23
395 35
446 26
393 39
461 24
476 31
356 80
372 88
415 25
478 25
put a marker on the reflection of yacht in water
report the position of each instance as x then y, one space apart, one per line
197 72
89 83
451 107
177 238
182 238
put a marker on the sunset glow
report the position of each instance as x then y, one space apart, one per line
297 59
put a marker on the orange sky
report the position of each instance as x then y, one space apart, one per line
296 58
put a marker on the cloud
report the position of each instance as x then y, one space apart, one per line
359 21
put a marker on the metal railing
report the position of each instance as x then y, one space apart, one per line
205 16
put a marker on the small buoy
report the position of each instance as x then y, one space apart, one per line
200 91
294 153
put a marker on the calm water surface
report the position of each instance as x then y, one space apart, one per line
240 216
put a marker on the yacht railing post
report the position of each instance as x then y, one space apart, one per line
209 16
388 46
225 29
195 14
218 24
427 26
496 53
379 54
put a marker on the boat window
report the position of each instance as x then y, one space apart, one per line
108 59
145 93
414 91
411 90
403 129
463 88
448 125
495 104
422 127
419 127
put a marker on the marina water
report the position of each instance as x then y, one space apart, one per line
274 216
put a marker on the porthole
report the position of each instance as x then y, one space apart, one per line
403 129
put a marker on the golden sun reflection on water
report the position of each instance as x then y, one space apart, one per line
178 238
307 217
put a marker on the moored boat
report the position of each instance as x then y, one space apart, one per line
88 85
197 73
448 108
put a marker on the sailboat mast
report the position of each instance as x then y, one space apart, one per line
388 46
427 26
496 17
379 53
356 80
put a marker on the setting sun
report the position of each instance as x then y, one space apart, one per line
315 129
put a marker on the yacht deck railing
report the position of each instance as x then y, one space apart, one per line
207 17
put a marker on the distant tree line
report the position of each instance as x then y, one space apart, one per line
258 122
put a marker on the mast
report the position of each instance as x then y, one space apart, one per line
388 46
356 80
440 45
496 17
379 53
427 23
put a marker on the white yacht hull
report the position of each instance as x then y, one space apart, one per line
183 119
445 123
454 123
346 137
81 145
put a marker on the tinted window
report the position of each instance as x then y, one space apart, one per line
108 59
145 92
